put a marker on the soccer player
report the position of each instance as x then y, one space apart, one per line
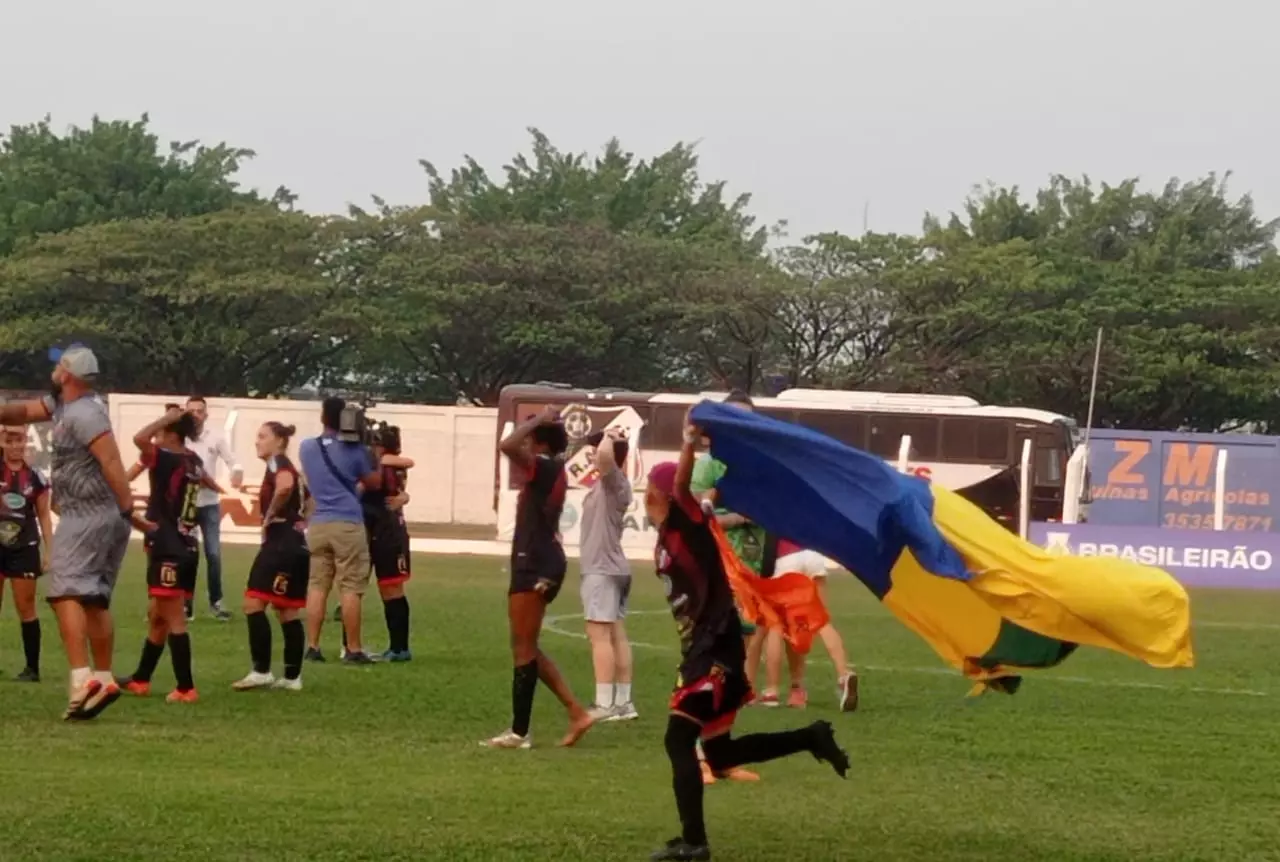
282 567
793 558
538 568
712 685
389 543
606 577
95 509
175 475
25 528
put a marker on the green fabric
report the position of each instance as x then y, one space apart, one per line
747 540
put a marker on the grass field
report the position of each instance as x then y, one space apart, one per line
1101 760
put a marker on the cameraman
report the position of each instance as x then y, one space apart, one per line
389 537
338 469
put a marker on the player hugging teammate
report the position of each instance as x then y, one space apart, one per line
389 536
175 475
281 570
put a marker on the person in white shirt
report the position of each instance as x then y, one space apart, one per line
212 447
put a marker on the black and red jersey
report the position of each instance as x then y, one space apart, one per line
175 485
20 489
688 563
291 511
535 544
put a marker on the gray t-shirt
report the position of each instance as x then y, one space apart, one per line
603 510
78 484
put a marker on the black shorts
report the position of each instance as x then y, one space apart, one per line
171 573
281 570
389 552
713 698
21 563
546 583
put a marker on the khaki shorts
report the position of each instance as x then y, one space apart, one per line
339 556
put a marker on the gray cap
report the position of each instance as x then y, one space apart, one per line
79 362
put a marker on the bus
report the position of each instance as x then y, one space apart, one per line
970 448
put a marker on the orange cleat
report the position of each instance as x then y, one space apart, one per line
179 696
137 688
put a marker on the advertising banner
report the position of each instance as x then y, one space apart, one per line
1150 479
1196 558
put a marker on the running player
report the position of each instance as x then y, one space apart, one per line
175 475
537 572
389 541
712 685
25 528
281 570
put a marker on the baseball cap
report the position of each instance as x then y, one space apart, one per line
78 361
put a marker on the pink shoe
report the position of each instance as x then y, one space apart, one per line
798 698
769 699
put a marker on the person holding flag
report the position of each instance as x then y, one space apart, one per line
700 576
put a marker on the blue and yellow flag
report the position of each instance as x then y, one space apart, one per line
988 602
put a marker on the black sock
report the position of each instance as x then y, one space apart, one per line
31 643
681 742
294 641
396 612
725 752
259 641
524 682
344 635
147 663
180 652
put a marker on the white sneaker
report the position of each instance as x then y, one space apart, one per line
623 712
283 684
254 680
508 739
601 713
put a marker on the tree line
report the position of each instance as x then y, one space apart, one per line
616 270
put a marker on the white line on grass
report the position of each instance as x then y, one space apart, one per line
552 624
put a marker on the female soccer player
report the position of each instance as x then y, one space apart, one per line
537 573
713 685
175 476
25 528
282 567
793 558
389 543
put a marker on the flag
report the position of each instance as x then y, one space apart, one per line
988 602
788 601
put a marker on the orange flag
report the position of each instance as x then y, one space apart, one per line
788 601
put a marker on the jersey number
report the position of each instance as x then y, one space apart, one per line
189 509
168 575
280 585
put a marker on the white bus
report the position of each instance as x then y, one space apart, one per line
973 449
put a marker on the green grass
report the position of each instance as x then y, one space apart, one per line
1086 763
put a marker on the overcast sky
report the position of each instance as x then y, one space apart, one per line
816 107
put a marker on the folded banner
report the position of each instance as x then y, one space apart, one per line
788 601
988 602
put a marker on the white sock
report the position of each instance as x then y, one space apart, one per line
623 693
79 676
104 677
604 694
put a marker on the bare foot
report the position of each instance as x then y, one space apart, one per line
579 724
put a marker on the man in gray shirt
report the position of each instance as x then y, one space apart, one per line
95 509
606 577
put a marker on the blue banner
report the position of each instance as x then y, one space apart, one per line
1166 479
1195 557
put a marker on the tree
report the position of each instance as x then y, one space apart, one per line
233 303
111 170
1182 280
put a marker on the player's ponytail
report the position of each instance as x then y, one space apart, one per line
283 432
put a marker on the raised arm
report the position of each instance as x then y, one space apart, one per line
513 444
144 438
26 412
399 462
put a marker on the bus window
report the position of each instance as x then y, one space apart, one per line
887 433
665 429
993 441
849 428
1050 460
959 440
